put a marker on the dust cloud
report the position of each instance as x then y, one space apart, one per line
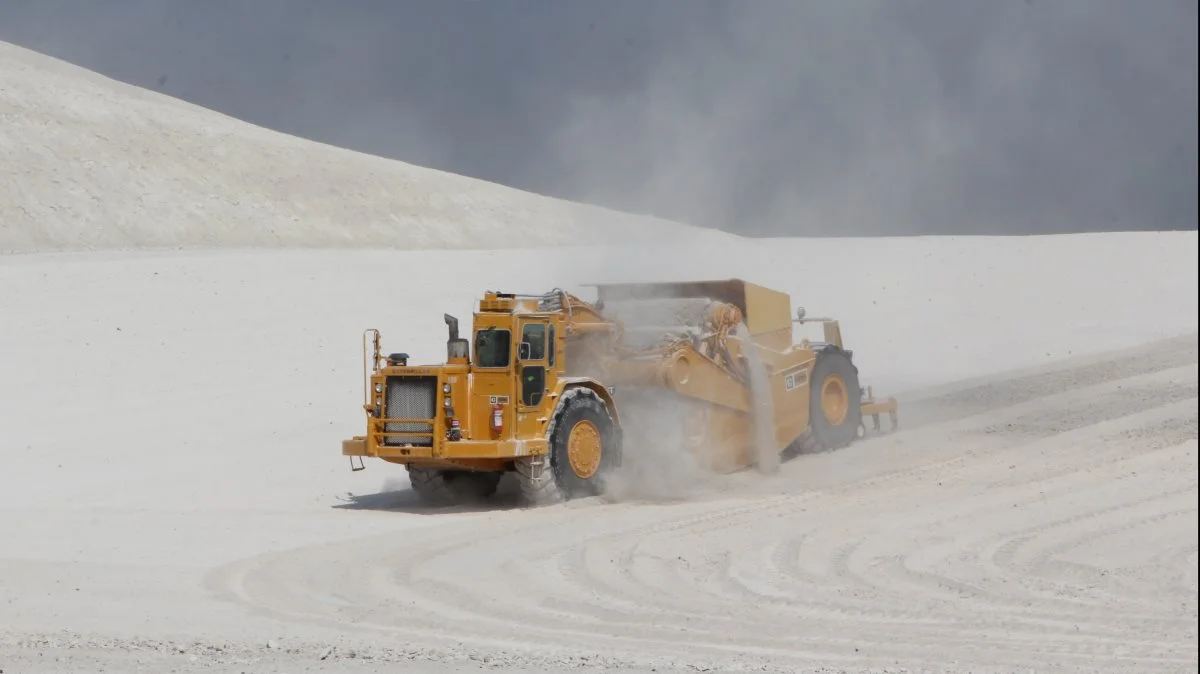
664 433
658 463
871 118
766 454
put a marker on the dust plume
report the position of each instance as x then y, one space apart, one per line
849 118
658 462
766 455
665 434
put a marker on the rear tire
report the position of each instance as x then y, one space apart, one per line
442 488
835 402
583 447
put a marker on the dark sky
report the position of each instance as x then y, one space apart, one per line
760 116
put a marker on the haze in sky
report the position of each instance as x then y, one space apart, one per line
770 117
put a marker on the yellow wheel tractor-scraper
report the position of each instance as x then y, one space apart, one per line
547 385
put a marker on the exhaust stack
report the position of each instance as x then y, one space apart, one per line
457 350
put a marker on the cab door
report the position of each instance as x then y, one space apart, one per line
536 375
493 375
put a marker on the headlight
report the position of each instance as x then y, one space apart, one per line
378 388
445 402
446 387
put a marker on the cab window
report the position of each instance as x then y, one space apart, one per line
492 347
535 334
533 384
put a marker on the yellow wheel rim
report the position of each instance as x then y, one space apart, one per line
584 449
835 399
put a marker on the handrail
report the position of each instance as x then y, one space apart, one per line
374 367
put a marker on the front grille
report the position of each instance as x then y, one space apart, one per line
410 398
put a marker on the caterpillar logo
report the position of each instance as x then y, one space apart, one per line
795 380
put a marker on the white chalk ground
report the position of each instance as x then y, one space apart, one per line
172 496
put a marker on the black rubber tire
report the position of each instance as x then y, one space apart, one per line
824 435
536 481
550 479
442 488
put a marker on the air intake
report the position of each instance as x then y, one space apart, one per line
411 398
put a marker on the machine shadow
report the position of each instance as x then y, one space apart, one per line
405 500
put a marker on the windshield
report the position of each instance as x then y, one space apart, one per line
492 347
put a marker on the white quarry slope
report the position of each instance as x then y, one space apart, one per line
170 471
87 162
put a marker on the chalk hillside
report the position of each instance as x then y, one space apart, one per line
90 163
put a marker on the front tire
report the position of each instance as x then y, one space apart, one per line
583 447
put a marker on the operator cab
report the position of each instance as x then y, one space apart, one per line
533 355
513 338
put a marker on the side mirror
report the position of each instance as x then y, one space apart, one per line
800 313
523 351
